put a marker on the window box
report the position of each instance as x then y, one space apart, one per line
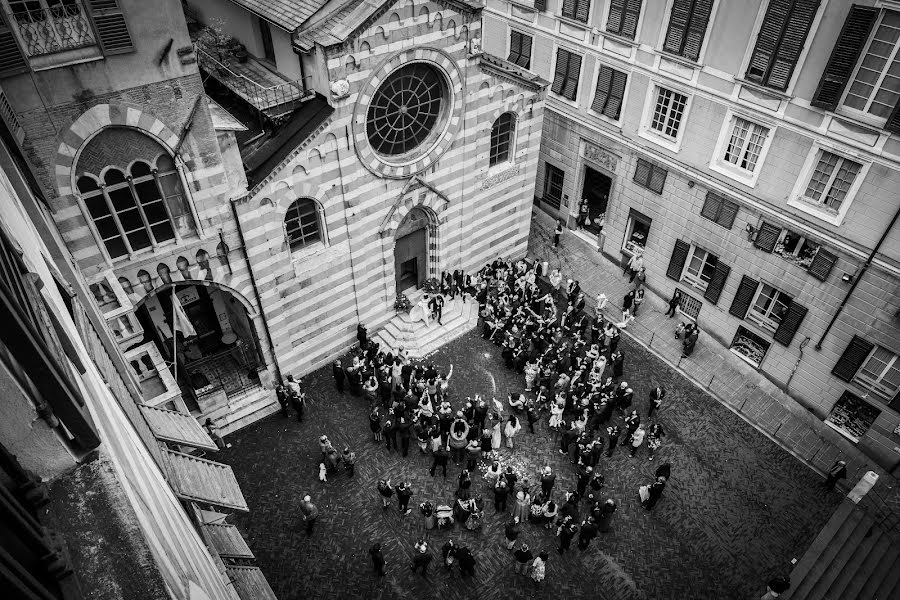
852 417
749 346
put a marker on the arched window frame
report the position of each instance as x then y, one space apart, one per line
158 230
503 140
304 242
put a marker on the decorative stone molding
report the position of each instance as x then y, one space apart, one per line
499 177
598 155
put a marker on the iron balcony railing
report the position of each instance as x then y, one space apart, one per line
47 29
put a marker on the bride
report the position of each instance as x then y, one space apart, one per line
421 311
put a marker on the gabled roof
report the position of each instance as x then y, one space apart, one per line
287 14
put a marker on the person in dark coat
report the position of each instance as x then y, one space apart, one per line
448 551
282 395
422 557
339 376
656 397
587 534
628 301
389 430
674 303
614 432
548 478
656 490
377 559
404 493
403 434
690 340
511 531
837 471
501 492
618 364
606 513
440 460
557 233
584 477
362 336
566 532
466 561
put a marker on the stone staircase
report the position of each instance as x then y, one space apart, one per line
420 340
854 557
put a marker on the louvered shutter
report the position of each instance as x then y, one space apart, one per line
790 323
893 122
852 359
616 95
822 263
727 214
12 60
679 257
717 283
112 29
562 61
657 179
642 172
616 16
601 95
515 46
525 52
843 57
570 90
767 237
711 207
582 8
568 8
696 30
630 21
540 5
780 41
743 297
678 23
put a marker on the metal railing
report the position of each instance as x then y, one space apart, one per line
45 30
284 97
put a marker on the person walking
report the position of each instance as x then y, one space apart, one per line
566 532
440 460
448 551
473 454
639 279
618 364
404 432
337 371
635 264
513 426
523 557
421 558
651 494
377 559
606 513
465 484
511 531
349 459
638 300
613 432
404 493
310 513
386 491
548 479
656 397
690 340
501 492
627 302
389 433
674 303
637 439
539 569
466 561
281 394
557 233
522 506
587 534
654 438
837 471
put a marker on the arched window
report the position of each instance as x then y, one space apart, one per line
134 207
502 138
301 224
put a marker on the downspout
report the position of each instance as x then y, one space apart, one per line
346 206
858 277
262 311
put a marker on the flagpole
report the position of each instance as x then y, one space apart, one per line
174 340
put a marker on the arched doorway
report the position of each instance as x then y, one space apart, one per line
214 351
411 250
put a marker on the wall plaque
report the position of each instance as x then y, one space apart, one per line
598 155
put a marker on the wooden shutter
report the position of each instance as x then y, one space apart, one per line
515 46
893 122
570 90
717 283
642 173
852 359
718 209
780 41
112 29
822 264
562 62
789 324
850 43
630 20
679 257
696 30
601 94
711 207
568 9
727 214
767 237
525 51
582 8
657 179
678 23
12 60
616 95
616 16
540 5
743 297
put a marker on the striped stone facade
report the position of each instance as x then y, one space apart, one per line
314 297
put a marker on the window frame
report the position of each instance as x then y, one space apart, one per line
875 386
578 79
551 169
746 331
595 80
303 244
664 32
797 198
590 12
765 321
696 281
635 216
721 165
604 25
52 22
648 132
509 47
863 115
510 141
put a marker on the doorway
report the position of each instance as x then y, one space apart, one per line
265 31
409 260
595 190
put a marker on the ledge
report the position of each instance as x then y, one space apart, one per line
504 68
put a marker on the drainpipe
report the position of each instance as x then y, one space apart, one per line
262 311
858 277
803 344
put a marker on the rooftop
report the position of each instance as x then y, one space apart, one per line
287 14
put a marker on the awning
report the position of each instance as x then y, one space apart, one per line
250 583
178 428
202 480
226 540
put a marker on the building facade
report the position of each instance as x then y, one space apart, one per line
748 150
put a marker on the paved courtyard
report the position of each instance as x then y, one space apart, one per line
737 509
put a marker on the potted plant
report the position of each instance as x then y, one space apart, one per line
402 303
240 53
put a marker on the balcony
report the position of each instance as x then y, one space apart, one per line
263 89
50 27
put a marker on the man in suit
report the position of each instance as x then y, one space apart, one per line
656 397
547 480
437 307
339 376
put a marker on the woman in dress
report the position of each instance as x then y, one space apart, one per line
375 424
496 431
539 569
556 412
458 437
493 473
549 510
512 428
555 280
426 407
522 508
531 372
654 441
535 511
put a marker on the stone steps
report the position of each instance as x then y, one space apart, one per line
420 340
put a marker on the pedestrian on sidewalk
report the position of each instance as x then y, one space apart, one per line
690 340
386 491
404 493
601 303
422 557
656 397
614 432
281 394
511 531
606 513
639 279
566 532
674 303
618 364
587 534
539 569
377 559
440 460
337 371
349 458
557 233
389 432
310 513
512 428
638 300
501 492
523 558
627 303
548 479
583 213
634 264
837 471
448 551
651 494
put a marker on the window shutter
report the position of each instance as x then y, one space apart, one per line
540 5
727 214
616 16
780 41
525 51
112 29
678 22
743 297
657 179
696 30
711 207
616 95
852 359
570 90
679 257
843 57
642 172
893 122
568 8
717 283
582 8
767 237
12 60
515 46
789 324
562 61
604 83
630 20
822 264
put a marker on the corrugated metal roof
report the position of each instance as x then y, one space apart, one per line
203 480
227 540
287 14
250 583
178 428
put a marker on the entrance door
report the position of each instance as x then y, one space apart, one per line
268 47
409 260
596 189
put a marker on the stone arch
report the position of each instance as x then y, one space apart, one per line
146 280
484 89
251 310
314 159
126 286
508 95
382 34
394 19
184 267
365 47
463 32
409 8
165 276
424 11
329 145
350 64
437 20
451 27
432 203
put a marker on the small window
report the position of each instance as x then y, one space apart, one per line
568 70
749 346
301 224
502 138
637 232
576 9
553 185
48 26
650 176
520 49
700 268
668 112
769 307
687 27
745 144
880 372
719 210
610 92
830 181
623 17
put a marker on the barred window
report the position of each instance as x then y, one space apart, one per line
301 223
502 138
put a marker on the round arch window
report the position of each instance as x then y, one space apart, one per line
407 110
